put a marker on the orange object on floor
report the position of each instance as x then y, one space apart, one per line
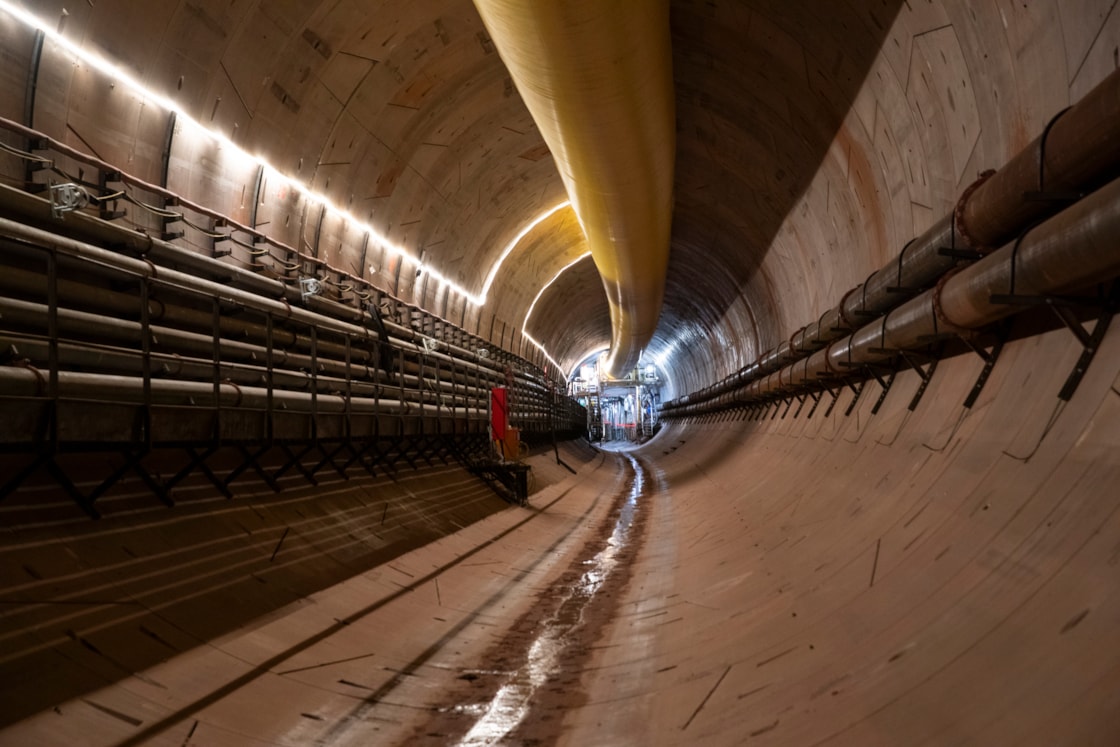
511 445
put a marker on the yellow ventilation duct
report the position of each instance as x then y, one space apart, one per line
597 78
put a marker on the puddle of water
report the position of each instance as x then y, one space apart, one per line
513 701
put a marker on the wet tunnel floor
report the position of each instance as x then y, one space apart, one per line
533 674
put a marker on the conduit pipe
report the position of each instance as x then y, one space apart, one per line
1072 250
232 278
23 382
255 299
597 79
364 380
418 378
1077 152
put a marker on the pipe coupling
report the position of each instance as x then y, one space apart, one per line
959 211
849 322
943 322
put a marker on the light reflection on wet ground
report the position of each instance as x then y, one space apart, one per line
514 700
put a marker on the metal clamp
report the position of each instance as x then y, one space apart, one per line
67 198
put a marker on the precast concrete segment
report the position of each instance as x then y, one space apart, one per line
597 79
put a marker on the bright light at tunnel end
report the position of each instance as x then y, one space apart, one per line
120 76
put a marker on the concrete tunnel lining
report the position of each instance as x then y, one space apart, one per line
927 576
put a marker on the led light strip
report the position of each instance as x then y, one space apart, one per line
513 244
533 305
120 76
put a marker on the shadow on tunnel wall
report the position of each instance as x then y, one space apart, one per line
763 88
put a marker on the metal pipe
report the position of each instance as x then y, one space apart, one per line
23 382
172 343
235 278
124 361
1076 153
1079 151
264 305
1069 252
597 79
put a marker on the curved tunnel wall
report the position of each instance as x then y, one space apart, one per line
847 578
812 144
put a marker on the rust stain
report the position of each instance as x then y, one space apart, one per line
388 179
413 94
861 182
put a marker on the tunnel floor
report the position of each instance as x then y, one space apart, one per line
469 639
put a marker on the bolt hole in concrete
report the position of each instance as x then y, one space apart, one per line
560 641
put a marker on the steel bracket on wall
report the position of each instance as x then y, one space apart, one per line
835 397
801 398
777 407
816 397
857 389
133 459
789 403
924 364
989 357
107 195
1104 305
884 374
885 384
197 461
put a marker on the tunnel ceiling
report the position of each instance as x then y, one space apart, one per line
814 139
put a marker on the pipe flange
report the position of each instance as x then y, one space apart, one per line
944 323
958 212
828 357
793 349
851 324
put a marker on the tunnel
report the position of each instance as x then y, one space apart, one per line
265 261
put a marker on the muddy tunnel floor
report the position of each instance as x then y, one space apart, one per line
531 676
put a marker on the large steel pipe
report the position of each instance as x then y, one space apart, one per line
1072 250
238 286
290 370
197 342
597 78
23 382
451 379
1078 152
116 360
141 269
28 316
